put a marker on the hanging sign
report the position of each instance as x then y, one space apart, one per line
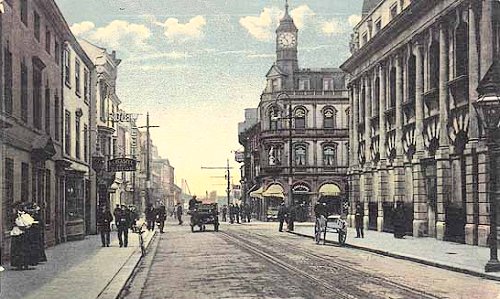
121 164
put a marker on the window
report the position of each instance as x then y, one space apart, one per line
8 193
274 155
67 67
300 118
329 155
329 118
48 202
57 52
378 25
85 143
25 181
86 87
77 137
434 65
67 132
24 92
461 50
394 10
327 83
300 155
77 77
273 118
36 25
37 97
103 96
275 84
304 84
56 117
47 109
48 40
365 38
7 89
392 87
24 12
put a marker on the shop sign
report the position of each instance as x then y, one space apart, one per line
239 157
122 164
123 117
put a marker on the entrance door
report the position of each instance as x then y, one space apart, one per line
429 169
302 204
455 207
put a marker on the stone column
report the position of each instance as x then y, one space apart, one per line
483 178
382 169
367 170
487 36
442 155
471 169
355 116
399 172
420 208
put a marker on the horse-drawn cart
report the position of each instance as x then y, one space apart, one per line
329 220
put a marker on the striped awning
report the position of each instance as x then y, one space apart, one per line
329 190
274 190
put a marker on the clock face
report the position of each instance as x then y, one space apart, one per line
287 40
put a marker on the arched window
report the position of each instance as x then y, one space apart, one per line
329 115
300 118
329 155
273 118
462 49
300 155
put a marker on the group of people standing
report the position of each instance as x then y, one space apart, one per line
125 218
288 215
236 212
27 240
398 220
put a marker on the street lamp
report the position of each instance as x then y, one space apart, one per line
290 149
488 110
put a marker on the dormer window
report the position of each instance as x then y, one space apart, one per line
304 84
327 83
275 84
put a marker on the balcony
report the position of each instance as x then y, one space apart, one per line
340 93
285 133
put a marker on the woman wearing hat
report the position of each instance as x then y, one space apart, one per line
20 247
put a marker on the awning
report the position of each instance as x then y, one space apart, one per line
329 190
274 190
257 193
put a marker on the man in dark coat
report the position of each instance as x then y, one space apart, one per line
248 212
192 203
224 213
231 213
178 211
123 223
104 219
282 213
358 219
292 213
237 213
399 230
161 216
150 217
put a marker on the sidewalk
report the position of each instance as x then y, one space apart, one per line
452 256
78 270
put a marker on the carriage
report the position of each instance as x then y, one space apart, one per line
329 219
204 213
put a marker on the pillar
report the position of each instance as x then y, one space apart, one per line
399 175
442 155
382 168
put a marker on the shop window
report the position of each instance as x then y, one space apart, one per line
74 199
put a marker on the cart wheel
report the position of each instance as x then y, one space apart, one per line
342 237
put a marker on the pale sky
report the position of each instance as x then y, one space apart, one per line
195 65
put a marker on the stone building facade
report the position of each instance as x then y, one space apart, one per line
415 136
307 160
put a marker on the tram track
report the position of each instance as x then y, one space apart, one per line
347 274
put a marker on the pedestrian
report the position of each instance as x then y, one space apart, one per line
133 215
178 211
192 203
399 230
104 219
242 212
19 244
248 212
150 216
358 219
292 213
161 216
231 213
224 213
237 213
35 235
282 213
123 223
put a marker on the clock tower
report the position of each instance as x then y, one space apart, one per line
286 44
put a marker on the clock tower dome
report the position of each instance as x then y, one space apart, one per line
286 44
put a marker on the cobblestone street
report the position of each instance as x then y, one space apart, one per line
255 261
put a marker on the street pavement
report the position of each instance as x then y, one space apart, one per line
255 261
448 255
77 270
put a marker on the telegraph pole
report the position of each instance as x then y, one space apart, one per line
228 177
148 158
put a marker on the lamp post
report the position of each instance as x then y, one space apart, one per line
290 144
488 111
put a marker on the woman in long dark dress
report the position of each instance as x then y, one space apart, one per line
19 243
35 236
